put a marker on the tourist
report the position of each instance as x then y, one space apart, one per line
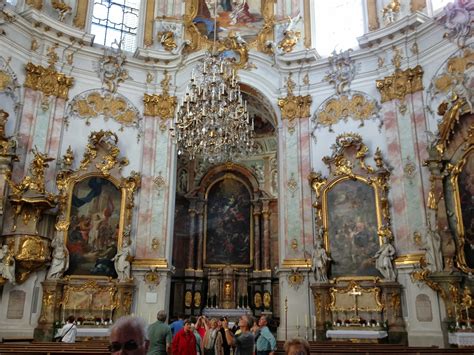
184 342
265 341
245 340
199 347
128 335
225 345
202 326
69 331
213 340
177 325
296 346
159 334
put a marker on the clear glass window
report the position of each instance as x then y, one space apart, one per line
337 24
438 5
116 20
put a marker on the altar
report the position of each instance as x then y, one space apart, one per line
90 332
461 339
230 313
356 335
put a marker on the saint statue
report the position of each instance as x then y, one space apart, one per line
320 262
383 260
122 262
60 261
7 265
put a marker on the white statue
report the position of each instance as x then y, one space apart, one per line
7 266
60 261
122 262
320 262
383 260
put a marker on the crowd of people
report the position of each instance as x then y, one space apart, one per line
201 336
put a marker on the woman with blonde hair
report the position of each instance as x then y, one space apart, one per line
213 340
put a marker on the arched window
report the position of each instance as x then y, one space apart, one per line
438 5
337 24
116 20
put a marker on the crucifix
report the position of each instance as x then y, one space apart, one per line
354 292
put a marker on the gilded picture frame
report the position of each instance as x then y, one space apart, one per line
352 211
461 173
100 163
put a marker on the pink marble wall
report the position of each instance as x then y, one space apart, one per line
25 132
305 169
397 194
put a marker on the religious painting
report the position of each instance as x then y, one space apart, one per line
465 187
241 16
94 227
228 226
352 228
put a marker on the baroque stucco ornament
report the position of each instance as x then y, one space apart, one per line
111 67
355 105
292 106
342 71
162 105
457 19
96 103
400 84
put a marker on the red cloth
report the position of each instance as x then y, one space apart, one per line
201 331
184 343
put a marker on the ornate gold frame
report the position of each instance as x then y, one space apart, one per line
460 232
94 286
101 160
228 175
353 285
331 185
198 41
348 162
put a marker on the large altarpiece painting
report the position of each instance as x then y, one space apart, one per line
228 229
93 233
352 228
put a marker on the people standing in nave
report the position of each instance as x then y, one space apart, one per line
244 341
212 342
264 340
159 334
177 325
184 342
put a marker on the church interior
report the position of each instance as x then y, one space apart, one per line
311 161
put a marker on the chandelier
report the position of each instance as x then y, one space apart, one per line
212 122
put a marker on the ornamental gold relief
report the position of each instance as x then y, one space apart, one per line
92 104
48 81
401 83
293 107
37 4
5 80
162 106
357 106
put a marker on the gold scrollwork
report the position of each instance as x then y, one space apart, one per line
401 83
257 300
295 279
48 81
342 107
5 80
37 4
166 38
233 42
160 105
110 105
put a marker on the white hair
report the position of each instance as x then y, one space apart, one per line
131 322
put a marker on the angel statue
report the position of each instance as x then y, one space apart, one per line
383 260
321 262
122 262
60 261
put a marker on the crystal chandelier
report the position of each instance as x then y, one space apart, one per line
212 123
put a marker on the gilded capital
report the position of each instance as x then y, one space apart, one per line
401 83
37 4
161 105
48 81
295 107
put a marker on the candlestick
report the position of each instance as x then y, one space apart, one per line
297 321
306 320
314 322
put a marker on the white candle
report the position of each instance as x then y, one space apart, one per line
314 321
306 320
297 320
